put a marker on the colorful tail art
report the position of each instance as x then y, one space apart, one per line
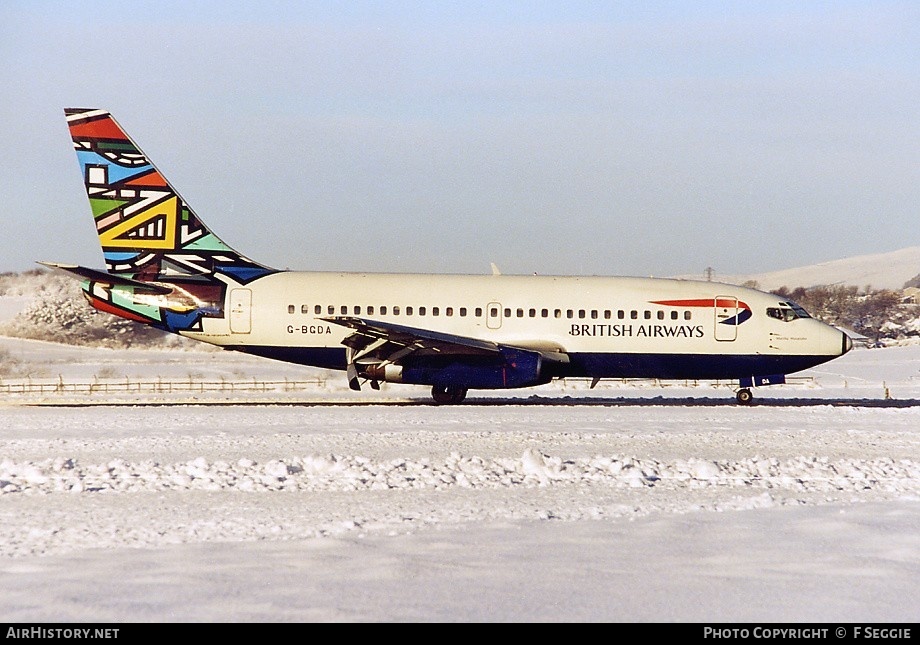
148 234
147 231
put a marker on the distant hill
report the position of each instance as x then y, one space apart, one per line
42 305
878 271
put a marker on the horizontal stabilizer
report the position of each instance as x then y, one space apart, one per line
95 275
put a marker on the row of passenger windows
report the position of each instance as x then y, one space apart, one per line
383 310
396 310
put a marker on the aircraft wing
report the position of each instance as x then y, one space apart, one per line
400 337
379 342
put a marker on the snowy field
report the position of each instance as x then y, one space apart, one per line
631 502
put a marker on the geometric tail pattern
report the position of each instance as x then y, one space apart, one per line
148 233
146 229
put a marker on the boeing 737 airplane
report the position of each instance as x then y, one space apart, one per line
454 333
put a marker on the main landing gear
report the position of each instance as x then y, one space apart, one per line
744 396
448 395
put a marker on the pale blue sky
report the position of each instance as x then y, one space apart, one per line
652 138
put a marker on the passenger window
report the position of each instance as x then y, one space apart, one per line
633 314
421 311
621 314
569 313
370 310
544 313
408 311
594 314
395 310
520 313
607 314
462 312
532 313
449 311
673 315
648 314
479 312
383 310
331 309
290 309
304 309
557 313
493 312
435 311
318 309
507 313
687 315
357 310
660 315
581 313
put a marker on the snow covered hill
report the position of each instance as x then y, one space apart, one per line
46 306
878 271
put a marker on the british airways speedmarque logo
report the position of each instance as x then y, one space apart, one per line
729 304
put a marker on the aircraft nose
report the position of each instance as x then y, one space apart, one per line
847 343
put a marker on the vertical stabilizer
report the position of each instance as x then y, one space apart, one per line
146 230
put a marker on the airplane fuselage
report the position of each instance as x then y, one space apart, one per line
603 326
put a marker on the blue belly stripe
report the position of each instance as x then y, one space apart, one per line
603 365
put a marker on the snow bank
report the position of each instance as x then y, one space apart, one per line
533 469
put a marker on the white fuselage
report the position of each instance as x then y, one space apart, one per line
608 326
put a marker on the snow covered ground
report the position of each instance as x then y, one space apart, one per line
630 502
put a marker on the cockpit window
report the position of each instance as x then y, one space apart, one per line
801 313
787 311
781 313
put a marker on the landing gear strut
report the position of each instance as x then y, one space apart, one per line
744 396
448 395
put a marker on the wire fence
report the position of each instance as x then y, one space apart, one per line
60 386
158 386
581 382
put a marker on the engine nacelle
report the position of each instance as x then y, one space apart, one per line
510 369
387 373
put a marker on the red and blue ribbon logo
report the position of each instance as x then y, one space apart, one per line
744 311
